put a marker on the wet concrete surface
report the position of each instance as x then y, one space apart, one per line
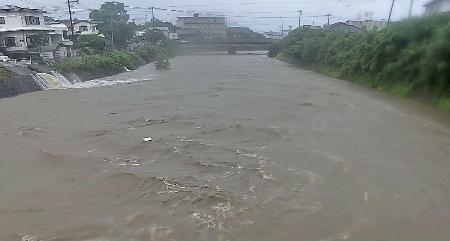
242 148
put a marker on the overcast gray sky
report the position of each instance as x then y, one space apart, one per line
260 15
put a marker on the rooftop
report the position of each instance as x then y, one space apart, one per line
37 28
349 26
12 8
76 21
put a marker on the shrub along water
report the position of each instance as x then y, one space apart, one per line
409 58
101 65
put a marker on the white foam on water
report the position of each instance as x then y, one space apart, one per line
100 83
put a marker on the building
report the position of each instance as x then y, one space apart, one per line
237 33
368 25
437 6
164 30
343 27
59 35
202 27
59 42
82 27
273 35
243 34
308 26
20 27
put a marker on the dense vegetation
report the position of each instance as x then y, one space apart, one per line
92 44
408 58
99 65
113 19
113 22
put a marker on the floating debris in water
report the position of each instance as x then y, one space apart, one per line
147 139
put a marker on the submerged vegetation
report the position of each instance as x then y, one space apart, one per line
409 58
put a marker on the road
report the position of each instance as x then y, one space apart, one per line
242 148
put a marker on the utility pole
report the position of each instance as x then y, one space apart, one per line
328 15
282 27
69 5
390 12
112 34
153 18
411 8
300 19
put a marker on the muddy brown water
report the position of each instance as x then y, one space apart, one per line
243 148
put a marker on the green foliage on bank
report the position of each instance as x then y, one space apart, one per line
92 44
113 22
408 58
114 62
99 65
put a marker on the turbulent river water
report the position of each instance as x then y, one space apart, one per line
222 148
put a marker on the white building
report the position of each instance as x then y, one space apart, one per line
205 27
82 27
18 26
274 35
437 6
368 25
59 35
85 27
165 30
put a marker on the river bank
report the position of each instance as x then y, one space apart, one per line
410 58
20 79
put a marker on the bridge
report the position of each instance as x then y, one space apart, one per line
238 45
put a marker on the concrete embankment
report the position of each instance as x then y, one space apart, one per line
20 79
16 80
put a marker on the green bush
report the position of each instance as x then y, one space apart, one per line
92 44
151 53
105 64
410 57
112 63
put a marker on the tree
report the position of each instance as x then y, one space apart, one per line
158 23
155 36
92 44
112 18
108 10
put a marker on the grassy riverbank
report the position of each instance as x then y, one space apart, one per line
410 58
101 65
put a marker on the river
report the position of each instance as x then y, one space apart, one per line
236 148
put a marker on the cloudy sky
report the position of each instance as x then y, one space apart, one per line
261 15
